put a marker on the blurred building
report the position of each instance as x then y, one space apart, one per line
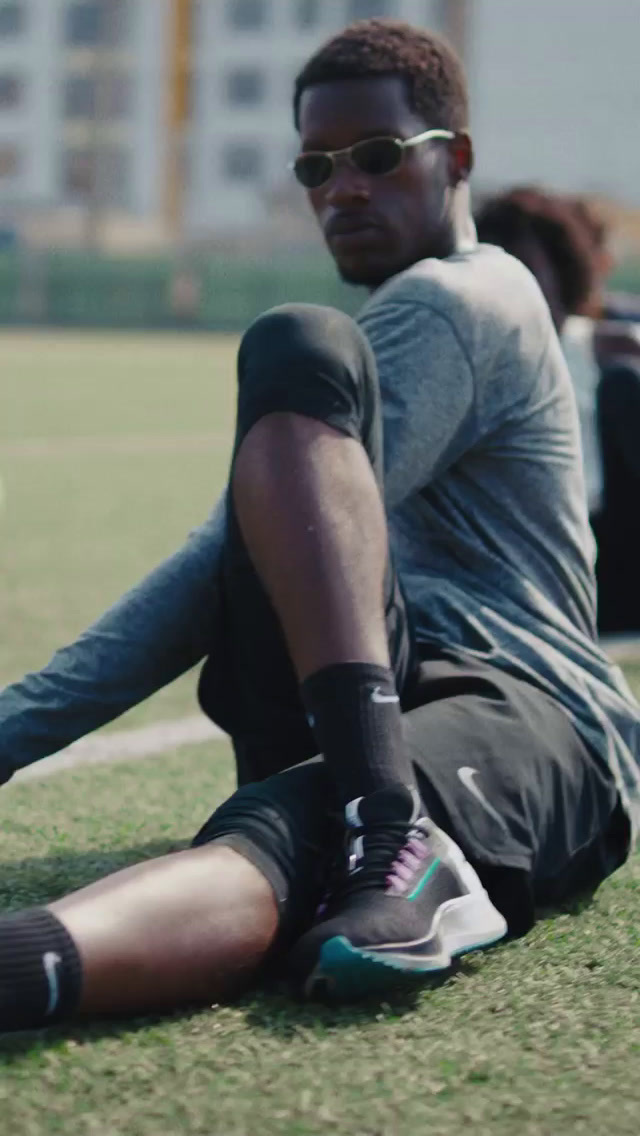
82 104
246 56
173 117
556 94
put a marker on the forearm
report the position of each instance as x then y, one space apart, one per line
153 634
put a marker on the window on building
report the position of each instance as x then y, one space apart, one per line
198 23
103 174
306 13
11 92
12 19
116 170
245 86
78 172
246 15
84 24
84 98
118 96
95 21
369 9
242 161
9 160
80 96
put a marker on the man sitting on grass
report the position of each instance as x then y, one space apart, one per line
479 753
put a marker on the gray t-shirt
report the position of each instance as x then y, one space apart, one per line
486 501
484 486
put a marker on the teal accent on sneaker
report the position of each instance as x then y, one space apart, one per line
347 972
344 972
425 879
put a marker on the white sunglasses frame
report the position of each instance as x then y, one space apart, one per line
403 143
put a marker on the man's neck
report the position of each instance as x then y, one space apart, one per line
463 225
461 235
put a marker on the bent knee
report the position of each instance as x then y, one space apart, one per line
321 339
309 360
308 328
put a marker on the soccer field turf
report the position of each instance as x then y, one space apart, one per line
111 448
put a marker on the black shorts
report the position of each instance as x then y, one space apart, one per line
500 768
499 764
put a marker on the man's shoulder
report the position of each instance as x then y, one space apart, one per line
489 300
480 277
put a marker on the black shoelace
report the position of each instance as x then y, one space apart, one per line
382 845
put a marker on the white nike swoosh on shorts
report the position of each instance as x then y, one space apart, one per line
377 696
466 774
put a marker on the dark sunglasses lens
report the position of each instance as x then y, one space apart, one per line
313 170
377 155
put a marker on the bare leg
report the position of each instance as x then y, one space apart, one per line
191 927
311 516
313 523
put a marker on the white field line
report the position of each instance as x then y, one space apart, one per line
105 444
622 648
125 745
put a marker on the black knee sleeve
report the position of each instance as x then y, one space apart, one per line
309 360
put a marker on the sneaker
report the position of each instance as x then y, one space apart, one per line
409 904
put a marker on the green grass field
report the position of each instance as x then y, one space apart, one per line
111 448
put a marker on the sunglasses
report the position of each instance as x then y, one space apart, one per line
373 156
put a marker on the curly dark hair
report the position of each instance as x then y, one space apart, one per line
593 221
528 213
433 74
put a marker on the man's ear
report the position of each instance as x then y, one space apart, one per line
460 157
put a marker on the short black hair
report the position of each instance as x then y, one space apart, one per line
528 213
432 72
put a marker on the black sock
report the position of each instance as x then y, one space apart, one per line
40 970
354 711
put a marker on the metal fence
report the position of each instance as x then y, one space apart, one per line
223 294
219 294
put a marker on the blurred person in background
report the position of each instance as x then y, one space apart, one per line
614 341
564 243
605 303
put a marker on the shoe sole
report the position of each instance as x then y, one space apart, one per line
343 971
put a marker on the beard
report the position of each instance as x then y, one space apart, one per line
364 275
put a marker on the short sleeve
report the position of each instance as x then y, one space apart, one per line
428 393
